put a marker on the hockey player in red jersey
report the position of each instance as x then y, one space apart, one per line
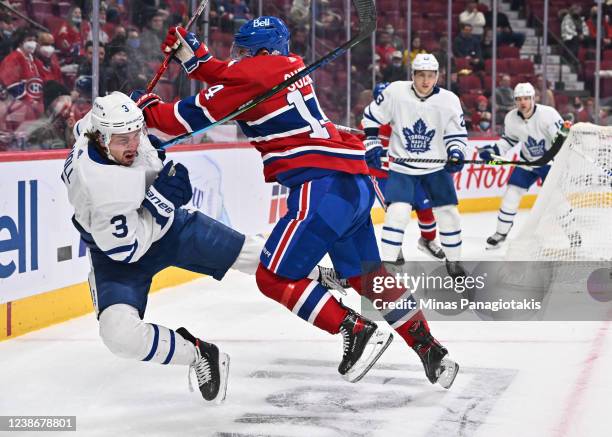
330 191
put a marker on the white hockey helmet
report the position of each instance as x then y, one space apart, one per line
425 61
524 89
115 113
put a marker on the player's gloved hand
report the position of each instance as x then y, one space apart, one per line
188 50
157 143
173 184
488 150
144 99
374 152
455 160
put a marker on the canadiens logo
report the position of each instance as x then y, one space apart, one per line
535 147
34 87
418 139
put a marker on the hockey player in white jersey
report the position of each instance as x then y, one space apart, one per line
534 127
427 122
128 211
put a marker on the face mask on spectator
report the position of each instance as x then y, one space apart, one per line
484 125
7 33
29 46
76 20
47 50
397 64
133 42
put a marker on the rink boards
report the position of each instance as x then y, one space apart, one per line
43 264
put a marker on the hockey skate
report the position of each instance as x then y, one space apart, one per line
363 344
438 367
210 366
495 240
431 248
328 278
455 269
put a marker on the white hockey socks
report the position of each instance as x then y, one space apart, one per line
396 220
509 208
127 336
449 228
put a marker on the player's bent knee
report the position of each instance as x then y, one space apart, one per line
512 198
123 332
273 286
248 258
448 217
398 215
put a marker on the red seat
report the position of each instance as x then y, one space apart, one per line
469 84
506 52
462 63
470 101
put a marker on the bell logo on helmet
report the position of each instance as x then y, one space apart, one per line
259 22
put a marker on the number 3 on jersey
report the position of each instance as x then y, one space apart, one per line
296 99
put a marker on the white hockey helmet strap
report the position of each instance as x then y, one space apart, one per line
524 89
115 113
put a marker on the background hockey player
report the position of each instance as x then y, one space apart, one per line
535 127
378 162
330 190
427 122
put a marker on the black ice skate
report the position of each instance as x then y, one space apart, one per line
438 367
431 248
455 269
210 366
363 345
328 278
495 240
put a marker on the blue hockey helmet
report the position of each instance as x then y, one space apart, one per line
265 32
379 88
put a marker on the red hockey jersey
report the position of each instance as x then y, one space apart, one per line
20 75
296 140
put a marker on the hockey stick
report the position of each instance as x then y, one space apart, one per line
366 11
164 65
23 17
542 160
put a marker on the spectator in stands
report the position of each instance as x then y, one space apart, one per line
504 98
396 70
396 41
467 45
299 43
122 75
482 111
487 44
238 11
84 68
384 48
606 28
550 95
81 96
69 37
416 48
20 76
574 29
102 35
442 54
581 113
46 59
6 32
484 123
152 37
472 16
330 25
299 13
505 34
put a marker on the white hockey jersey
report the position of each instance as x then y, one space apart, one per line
108 197
535 134
421 128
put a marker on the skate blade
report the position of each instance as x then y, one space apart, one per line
447 377
490 247
377 344
224 363
429 254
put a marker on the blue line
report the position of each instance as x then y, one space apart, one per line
450 245
449 234
155 341
392 243
171 353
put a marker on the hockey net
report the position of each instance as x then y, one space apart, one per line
572 217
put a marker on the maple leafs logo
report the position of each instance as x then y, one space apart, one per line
418 139
536 148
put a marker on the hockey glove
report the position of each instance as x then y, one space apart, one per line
455 160
188 50
173 184
157 144
486 152
374 152
143 99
